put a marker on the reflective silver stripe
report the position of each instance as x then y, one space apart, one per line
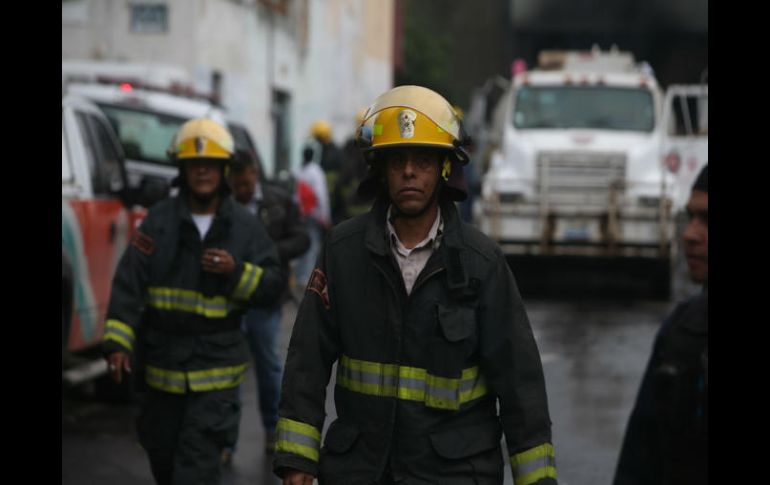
188 301
532 466
409 383
165 380
121 333
298 438
369 378
283 434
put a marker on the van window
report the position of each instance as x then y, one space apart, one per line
88 143
103 158
66 163
145 135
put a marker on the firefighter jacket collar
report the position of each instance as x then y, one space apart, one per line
377 233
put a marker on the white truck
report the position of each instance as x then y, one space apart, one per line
575 166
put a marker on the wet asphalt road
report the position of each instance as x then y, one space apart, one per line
593 351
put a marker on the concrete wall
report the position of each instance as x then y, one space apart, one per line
331 57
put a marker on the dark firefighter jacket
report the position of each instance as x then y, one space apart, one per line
418 376
666 441
280 216
190 337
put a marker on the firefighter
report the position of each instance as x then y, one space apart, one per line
424 320
197 262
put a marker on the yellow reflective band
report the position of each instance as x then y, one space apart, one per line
117 338
442 392
531 454
410 383
188 301
249 281
215 379
533 477
533 464
366 388
369 367
121 327
299 427
165 380
298 438
297 449
119 332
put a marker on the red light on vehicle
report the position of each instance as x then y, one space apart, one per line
126 87
673 162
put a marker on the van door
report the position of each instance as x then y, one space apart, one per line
95 229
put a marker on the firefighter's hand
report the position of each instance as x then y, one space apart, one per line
218 261
296 477
117 363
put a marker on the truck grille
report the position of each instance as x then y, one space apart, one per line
580 178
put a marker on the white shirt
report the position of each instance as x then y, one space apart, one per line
203 222
413 261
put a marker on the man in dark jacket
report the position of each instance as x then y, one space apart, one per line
666 441
423 318
276 210
198 261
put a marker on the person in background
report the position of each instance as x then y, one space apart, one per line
278 213
424 320
666 441
314 205
331 162
196 263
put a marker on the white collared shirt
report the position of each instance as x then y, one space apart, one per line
413 261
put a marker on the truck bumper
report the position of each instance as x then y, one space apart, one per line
627 232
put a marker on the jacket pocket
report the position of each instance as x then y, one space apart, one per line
454 342
340 437
466 441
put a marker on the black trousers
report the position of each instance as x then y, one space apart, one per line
183 434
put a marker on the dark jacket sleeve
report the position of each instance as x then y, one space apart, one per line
640 460
511 364
258 279
295 239
129 285
313 349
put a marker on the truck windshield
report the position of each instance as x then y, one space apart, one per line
145 135
584 107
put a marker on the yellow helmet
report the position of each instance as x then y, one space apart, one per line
202 138
321 130
412 116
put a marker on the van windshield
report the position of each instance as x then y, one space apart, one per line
584 107
145 135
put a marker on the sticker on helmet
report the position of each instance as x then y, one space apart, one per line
406 123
